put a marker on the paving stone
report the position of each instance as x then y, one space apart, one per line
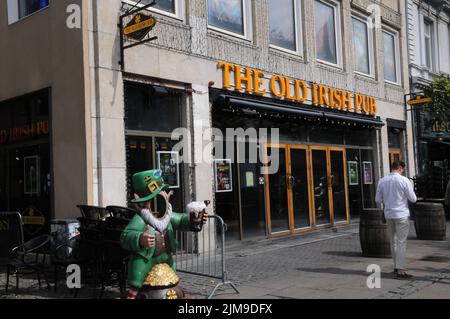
327 264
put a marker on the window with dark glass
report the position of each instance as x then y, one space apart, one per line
164 5
27 7
151 108
152 113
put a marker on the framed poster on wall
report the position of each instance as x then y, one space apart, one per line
368 173
31 175
353 176
223 175
168 163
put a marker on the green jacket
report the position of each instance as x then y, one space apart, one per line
132 233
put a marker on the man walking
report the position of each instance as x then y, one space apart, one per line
394 191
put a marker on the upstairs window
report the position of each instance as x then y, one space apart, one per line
27 7
19 9
230 16
285 25
362 46
428 44
391 57
327 26
171 8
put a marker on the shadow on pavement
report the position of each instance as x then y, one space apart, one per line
344 253
350 272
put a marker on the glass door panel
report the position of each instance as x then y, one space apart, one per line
338 185
278 193
139 158
320 186
299 183
252 194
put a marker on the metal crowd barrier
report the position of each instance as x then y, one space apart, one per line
203 254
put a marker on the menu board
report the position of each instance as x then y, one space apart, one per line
223 175
368 173
353 177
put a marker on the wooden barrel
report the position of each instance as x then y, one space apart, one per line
374 235
430 221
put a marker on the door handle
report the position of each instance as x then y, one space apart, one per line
331 180
290 181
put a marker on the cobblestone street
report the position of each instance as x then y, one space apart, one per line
326 264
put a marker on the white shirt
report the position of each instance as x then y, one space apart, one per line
394 191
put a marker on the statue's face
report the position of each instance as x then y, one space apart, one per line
161 208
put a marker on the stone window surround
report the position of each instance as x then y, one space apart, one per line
430 13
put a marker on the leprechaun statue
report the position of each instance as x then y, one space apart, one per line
151 239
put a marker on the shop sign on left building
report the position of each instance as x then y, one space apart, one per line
139 26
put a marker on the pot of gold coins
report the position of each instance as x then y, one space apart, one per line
161 283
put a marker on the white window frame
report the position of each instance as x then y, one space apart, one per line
370 40
247 14
179 9
432 37
338 33
395 34
298 31
14 14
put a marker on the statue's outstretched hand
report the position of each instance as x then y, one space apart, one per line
147 240
205 218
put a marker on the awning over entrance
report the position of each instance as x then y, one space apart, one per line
259 106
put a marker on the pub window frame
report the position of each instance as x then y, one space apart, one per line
298 12
370 47
337 30
247 22
179 8
395 35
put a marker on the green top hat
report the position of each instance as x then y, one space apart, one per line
148 185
